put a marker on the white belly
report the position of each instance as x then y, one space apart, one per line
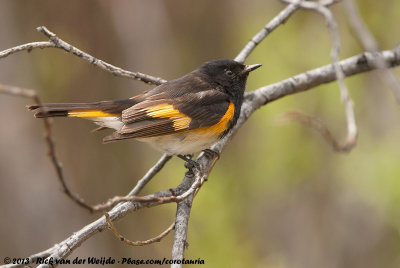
185 143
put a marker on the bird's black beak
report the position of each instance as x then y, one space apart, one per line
249 68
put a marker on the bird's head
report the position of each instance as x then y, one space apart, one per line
230 75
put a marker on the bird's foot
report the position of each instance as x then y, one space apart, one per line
190 164
211 153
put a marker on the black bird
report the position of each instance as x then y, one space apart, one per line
179 117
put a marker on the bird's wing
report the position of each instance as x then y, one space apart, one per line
157 116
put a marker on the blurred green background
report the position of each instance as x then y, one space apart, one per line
278 197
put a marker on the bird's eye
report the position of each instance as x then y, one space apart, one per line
228 72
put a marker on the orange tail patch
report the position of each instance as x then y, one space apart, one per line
89 113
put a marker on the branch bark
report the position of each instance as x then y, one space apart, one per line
181 224
120 237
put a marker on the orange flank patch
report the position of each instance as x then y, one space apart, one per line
89 113
222 125
181 121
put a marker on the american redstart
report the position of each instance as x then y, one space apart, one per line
179 117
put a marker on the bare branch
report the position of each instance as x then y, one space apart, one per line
150 200
264 32
207 162
65 248
137 243
335 51
150 174
19 92
181 227
28 47
369 43
138 187
56 42
357 24
99 63
325 74
253 101
131 196
58 166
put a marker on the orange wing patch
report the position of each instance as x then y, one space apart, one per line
89 113
180 120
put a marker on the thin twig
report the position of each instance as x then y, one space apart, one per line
181 228
352 133
30 93
56 42
264 32
369 43
25 47
57 164
322 75
65 248
19 92
138 187
152 200
150 174
316 124
59 43
137 243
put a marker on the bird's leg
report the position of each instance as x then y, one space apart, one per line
211 153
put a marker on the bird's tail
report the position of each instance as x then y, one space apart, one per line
90 110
